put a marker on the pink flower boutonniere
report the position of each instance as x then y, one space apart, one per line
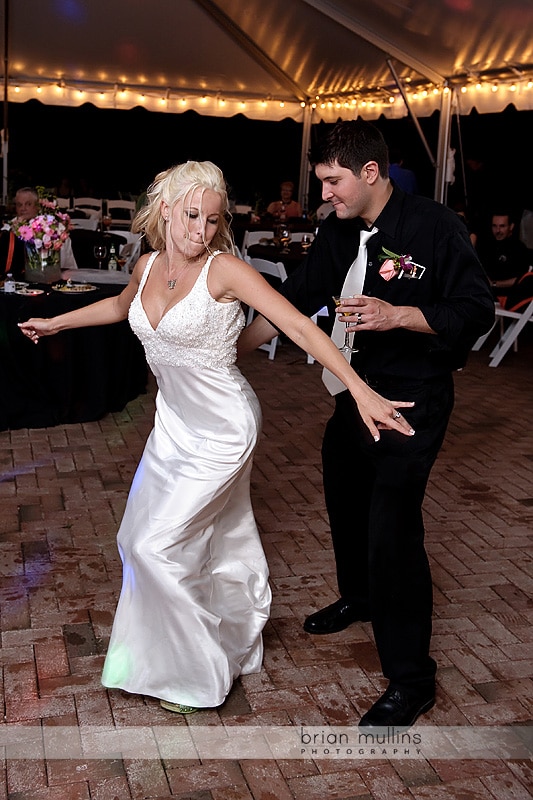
402 266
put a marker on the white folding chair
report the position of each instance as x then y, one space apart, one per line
89 223
508 332
276 270
297 236
121 212
254 237
89 204
131 251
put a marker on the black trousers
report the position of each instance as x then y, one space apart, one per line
374 494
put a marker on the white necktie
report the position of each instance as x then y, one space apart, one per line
353 284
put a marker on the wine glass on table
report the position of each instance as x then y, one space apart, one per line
100 252
346 347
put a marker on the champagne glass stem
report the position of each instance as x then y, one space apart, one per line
346 336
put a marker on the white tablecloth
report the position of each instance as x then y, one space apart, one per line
95 276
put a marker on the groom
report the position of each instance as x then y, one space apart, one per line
424 301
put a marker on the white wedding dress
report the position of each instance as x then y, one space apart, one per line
195 594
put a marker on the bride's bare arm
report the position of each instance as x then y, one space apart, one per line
234 278
103 312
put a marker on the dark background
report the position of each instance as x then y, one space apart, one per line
110 153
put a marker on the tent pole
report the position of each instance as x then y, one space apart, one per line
305 166
443 144
5 130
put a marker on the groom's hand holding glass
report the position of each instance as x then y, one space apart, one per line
372 314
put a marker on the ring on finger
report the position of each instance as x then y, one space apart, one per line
397 415
358 317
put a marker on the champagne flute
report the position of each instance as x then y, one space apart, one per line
100 252
346 347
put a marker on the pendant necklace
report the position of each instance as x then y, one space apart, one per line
171 282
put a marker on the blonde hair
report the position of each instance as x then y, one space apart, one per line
177 184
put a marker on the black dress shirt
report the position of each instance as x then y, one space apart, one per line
508 258
453 293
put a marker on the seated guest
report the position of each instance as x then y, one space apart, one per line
405 178
27 206
504 257
286 207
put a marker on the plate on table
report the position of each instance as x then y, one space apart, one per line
28 291
18 285
74 288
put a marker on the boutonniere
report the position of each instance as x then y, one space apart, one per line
402 266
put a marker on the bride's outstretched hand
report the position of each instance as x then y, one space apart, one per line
378 413
35 328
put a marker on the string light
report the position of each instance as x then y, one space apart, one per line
426 94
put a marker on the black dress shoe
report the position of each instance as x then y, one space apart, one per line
397 708
334 618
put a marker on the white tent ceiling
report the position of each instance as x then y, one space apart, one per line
265 58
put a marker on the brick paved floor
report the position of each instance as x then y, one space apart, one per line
62 493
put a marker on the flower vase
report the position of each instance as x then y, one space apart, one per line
41 266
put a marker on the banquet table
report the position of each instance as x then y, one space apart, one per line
75 376
290 257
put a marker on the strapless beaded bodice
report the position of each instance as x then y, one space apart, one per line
197 332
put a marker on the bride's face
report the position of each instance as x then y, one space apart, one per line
194 222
